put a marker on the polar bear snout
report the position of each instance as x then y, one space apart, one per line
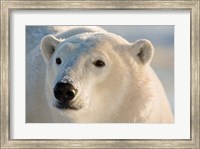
64 92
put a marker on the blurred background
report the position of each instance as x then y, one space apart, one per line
161 36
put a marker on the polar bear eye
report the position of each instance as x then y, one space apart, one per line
99 63
58 61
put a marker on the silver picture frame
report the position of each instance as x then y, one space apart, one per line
192 5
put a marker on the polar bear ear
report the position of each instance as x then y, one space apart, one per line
48 46
143 51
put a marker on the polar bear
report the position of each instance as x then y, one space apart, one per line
87 75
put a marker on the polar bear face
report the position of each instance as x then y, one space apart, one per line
92 71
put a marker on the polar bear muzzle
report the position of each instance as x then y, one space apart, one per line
65 92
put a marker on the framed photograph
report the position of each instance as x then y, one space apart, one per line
100 74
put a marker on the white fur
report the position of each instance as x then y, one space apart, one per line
125 90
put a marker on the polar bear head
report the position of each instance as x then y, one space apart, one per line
93 72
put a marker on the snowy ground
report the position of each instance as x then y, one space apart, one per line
161 36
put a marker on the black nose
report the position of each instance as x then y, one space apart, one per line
65 91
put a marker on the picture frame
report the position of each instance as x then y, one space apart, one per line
192 6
